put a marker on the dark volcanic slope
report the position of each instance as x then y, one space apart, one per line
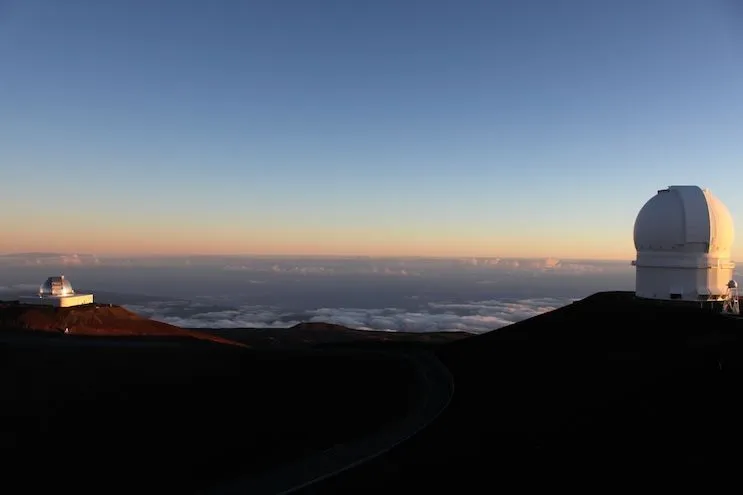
326 334
603 391
92 320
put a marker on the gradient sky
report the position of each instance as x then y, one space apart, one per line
381 127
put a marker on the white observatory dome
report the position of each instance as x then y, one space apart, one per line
56 286
684 218
683 236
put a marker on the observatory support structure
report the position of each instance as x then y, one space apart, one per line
58 301
732 303
686 278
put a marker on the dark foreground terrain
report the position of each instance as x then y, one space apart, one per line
150 407
606 391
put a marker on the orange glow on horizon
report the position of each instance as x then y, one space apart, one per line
129 239
182 246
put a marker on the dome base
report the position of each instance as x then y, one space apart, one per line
682 276
684 284
58 301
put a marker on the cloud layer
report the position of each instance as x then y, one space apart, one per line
315 266
387 294
475 317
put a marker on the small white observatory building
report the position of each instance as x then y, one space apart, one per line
58 292
683 236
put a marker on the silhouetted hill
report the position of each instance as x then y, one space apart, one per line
328 334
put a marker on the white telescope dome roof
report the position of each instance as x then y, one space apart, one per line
684 219
56 286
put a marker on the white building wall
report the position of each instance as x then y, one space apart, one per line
76 300
59 302
691 283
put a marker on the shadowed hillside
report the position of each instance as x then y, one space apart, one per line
328 334
608 387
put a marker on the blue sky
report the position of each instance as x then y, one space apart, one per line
366 127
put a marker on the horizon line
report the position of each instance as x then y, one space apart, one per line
320 255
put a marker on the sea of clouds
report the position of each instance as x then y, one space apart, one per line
388 294
475 316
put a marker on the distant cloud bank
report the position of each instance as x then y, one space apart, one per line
319 266
48 259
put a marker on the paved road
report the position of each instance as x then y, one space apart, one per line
436 388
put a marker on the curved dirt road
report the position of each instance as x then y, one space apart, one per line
436 388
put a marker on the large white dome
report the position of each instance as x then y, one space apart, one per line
684 219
